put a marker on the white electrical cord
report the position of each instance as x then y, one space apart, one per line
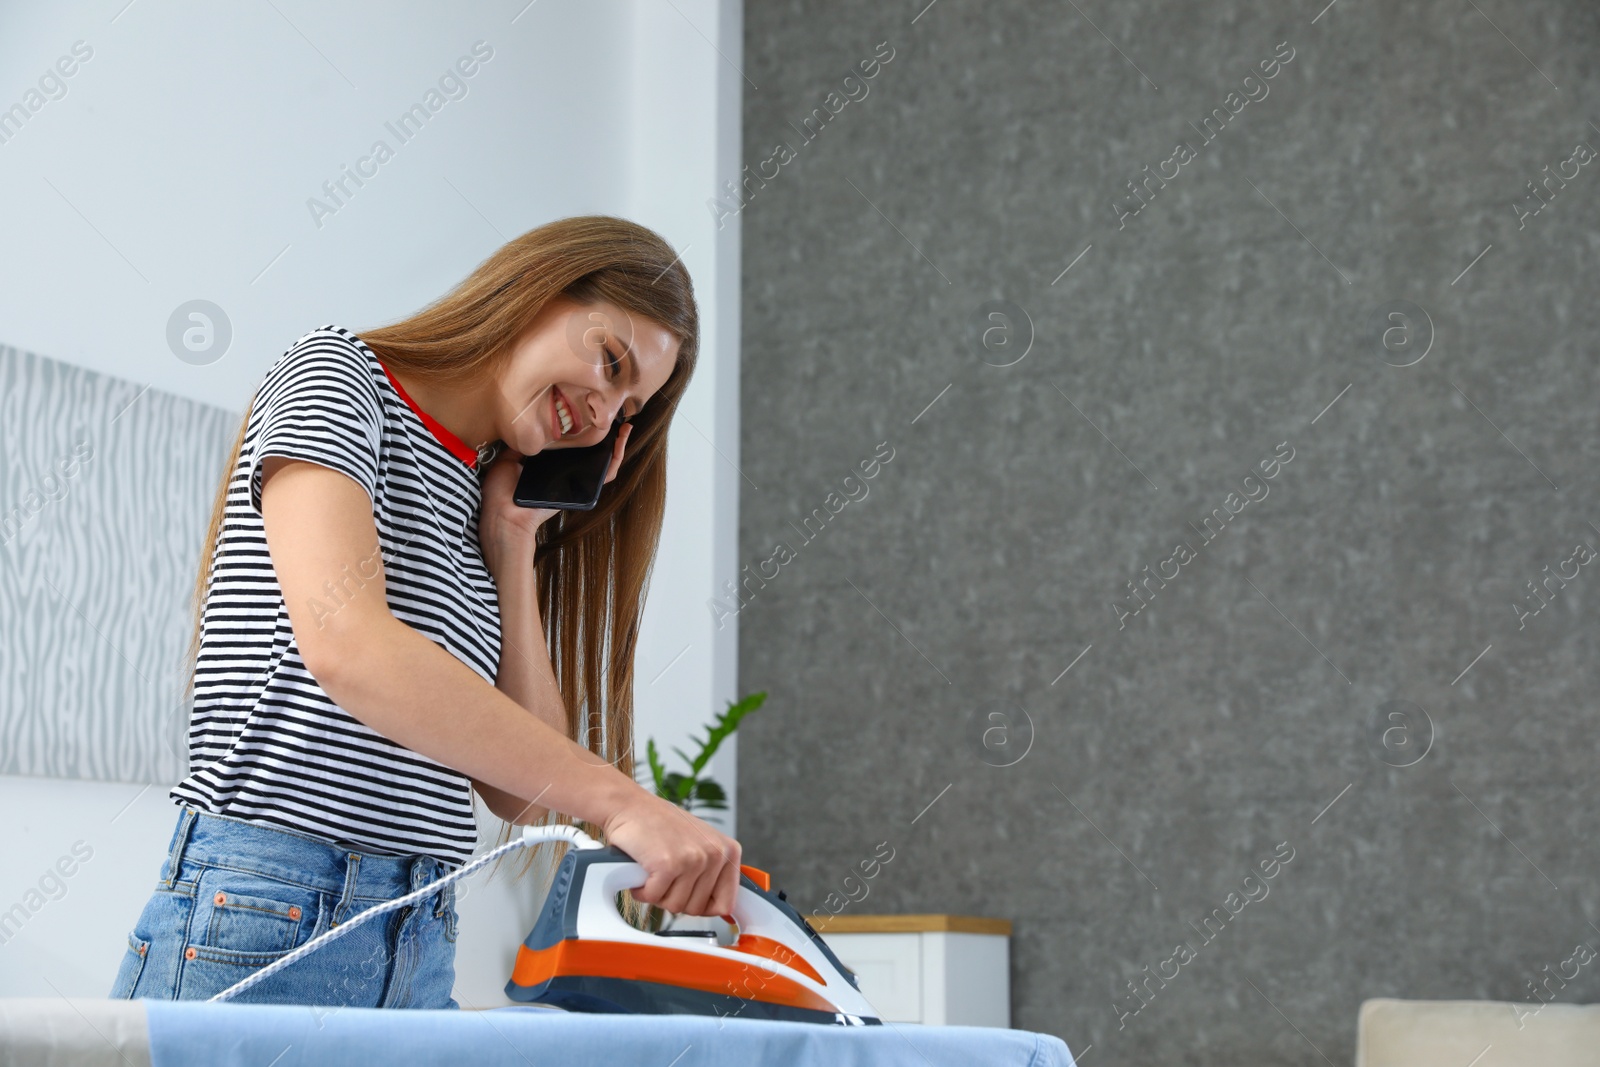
531 835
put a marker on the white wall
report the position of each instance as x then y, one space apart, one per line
178 165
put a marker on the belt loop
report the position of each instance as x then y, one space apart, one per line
180 841
352 868
445 898
421 868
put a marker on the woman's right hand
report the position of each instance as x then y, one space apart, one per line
691 868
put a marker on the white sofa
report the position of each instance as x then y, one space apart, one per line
1477 1033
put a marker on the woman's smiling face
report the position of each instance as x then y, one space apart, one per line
578 368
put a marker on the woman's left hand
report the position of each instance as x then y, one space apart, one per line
504 527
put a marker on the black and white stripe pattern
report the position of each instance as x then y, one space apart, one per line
266 744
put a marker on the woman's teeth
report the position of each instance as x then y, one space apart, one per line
564 415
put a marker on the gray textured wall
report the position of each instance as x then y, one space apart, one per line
105 491
1343 671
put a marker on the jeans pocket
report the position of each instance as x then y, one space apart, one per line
132 966
249 914
243 922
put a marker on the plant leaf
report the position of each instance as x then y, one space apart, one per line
725 724
709 794
656 770
689 790
678 787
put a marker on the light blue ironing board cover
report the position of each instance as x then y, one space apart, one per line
202 1034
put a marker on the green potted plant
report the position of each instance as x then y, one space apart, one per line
690 791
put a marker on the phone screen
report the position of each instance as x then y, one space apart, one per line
568 478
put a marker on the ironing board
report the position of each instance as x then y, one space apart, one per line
81 1032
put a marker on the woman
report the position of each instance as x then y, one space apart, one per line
373 613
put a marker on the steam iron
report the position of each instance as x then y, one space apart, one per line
583 956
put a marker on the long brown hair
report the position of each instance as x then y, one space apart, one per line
591 567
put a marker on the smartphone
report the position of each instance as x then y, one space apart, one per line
568 478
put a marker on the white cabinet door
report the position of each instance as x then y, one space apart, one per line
889 970
966 979
934 977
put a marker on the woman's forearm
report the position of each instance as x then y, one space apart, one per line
413 691
525 674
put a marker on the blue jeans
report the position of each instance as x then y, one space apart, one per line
234 896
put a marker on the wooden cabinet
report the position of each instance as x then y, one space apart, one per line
938 970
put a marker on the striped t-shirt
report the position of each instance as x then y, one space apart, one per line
266 744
